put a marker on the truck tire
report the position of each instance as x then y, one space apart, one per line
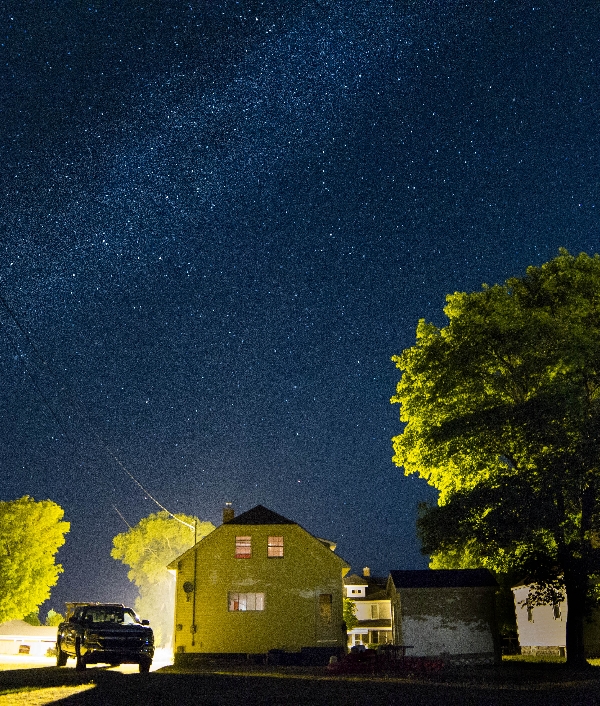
61 657
145 665
79 660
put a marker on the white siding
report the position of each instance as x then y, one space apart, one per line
545 630
363 610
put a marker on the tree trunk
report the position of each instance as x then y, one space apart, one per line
576 590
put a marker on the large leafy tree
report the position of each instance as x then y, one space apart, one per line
147 548
31 534
502 414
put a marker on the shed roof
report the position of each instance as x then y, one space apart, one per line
443 578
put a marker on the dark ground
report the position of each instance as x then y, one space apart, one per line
527 684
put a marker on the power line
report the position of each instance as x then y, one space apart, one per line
116 509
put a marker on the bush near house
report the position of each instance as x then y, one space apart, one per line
383 662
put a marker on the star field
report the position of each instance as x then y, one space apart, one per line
221 219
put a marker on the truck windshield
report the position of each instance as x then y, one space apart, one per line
111 615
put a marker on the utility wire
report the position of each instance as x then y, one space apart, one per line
116 509
149 548
136 481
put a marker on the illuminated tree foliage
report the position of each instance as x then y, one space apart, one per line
349 613
53 619
147 548
31 534
502 413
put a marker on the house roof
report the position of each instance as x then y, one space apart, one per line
260 515
375 587
23 629
443 578
374 594
355 580
375 623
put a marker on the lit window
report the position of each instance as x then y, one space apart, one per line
325 604
243 547
275 548
246 601
374 613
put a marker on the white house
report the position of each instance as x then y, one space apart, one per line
373 609
542 628
19 637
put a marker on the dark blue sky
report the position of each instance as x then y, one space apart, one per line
221 219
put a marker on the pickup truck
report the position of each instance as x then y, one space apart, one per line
104 632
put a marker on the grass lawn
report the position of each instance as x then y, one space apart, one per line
516 681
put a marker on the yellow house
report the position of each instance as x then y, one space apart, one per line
259 582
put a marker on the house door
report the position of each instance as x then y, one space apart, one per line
325 628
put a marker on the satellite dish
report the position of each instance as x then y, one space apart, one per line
188 587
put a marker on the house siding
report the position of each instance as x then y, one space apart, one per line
19 637
452 621
545 633
291 618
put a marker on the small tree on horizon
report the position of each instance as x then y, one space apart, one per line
53 619
147 548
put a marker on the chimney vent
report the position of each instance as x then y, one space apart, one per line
366 572
228 513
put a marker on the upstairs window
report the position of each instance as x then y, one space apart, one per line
243 547
374 613
275 548
556 611
246 601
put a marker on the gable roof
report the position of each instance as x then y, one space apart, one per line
443 578
260 515
14 628
375 587
355 580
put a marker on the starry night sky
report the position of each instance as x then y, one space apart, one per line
221 219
